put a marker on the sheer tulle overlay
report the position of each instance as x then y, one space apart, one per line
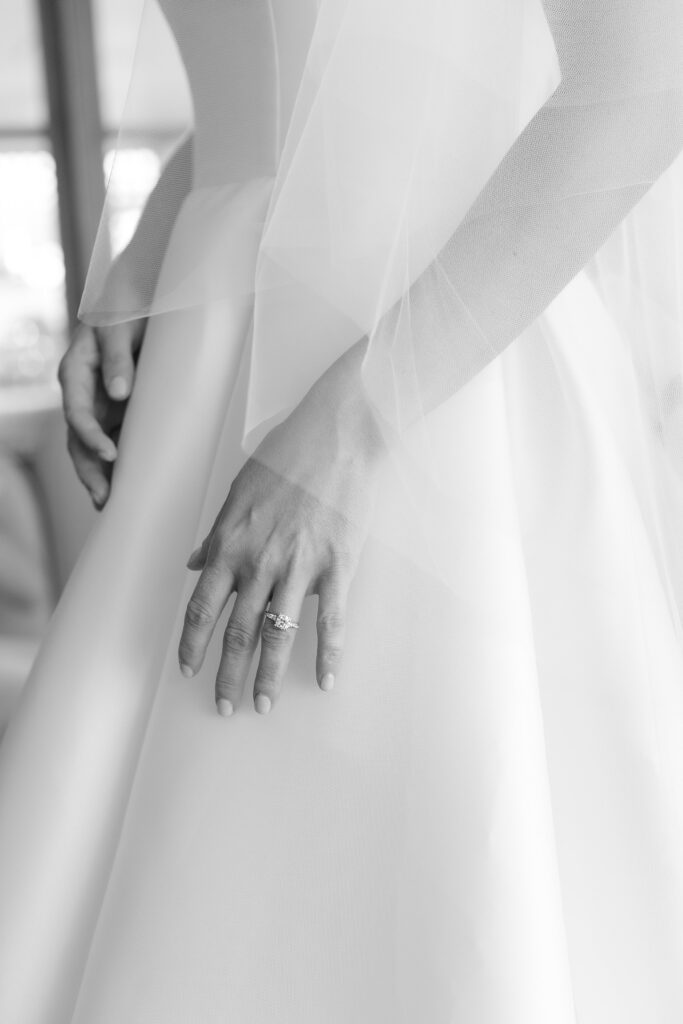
483 822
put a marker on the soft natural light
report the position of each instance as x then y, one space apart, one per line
32 308
131 175
32 304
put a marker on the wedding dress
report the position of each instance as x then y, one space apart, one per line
484 821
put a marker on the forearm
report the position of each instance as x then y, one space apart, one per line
611 129
526 239
134 273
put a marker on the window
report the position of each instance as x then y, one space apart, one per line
32 298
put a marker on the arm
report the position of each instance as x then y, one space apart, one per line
133 274
610 130
97 370
296 512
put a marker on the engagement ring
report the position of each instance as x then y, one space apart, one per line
282 621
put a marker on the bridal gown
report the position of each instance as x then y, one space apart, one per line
481 824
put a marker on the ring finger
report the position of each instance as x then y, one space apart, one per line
277 641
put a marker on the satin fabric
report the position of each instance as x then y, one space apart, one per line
481 823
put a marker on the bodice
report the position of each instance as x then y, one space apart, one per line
244 60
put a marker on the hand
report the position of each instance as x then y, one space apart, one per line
293 524
96 375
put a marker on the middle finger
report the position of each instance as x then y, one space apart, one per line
239 643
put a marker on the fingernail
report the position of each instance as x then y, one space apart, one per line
108 452
262 704
99 499
327 682
118 388
186 671
194 556
224 707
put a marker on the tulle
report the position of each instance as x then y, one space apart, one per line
366 150
414 177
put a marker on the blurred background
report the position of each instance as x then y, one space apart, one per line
65 69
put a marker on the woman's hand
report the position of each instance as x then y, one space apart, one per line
96 375
293 524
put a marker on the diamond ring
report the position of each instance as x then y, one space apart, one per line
282 622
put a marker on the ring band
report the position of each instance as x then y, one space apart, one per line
281 621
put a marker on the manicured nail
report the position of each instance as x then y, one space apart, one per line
262 704
186 670
193 557
108 451
224 707
118 388
99 499
327 682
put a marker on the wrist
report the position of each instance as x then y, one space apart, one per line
339 403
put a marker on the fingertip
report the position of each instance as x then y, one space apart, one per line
108 451
194 561
118 388
262 703
327 682
186 670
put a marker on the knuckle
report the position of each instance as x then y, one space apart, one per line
228 687
331 654
220 550
198 614
301 555
261 564
330 623
342 558
237 638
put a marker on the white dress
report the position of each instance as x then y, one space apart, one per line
482 824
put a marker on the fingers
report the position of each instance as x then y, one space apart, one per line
239 643
198 557
331 623
78 375
89 469
204 608
277 643
118 365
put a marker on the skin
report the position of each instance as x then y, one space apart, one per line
493 257
279 538
293 524
96 376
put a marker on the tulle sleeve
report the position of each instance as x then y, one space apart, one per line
613 126
425 175
346 168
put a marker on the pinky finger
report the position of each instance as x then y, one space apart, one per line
331 625
89 469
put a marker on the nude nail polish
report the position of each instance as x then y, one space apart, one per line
194 556
327 682
262 704
224 707
118 389
108 452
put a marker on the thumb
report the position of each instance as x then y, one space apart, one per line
118 366
198 557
